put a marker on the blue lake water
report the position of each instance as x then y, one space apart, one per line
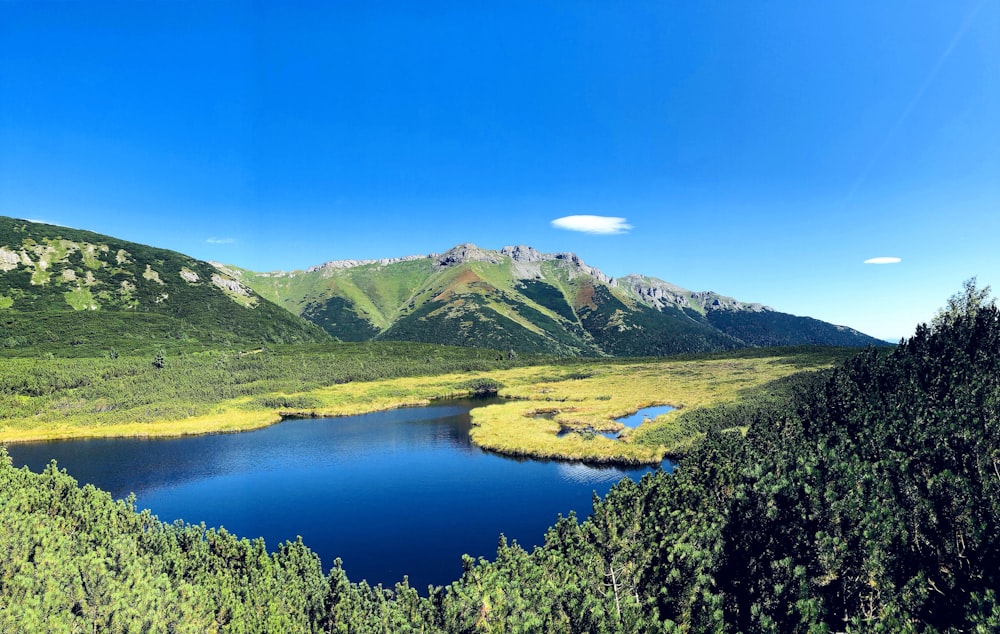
632 420
647 412
392 493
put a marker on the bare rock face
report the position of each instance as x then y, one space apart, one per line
579 267
656 293
660 294
9 260
522 253
525 256
714 301
230 285
350 264
467 252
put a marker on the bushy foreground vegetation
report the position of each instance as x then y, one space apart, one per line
870 503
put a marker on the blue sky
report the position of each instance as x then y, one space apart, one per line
763 150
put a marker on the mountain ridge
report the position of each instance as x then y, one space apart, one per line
520 298
60 285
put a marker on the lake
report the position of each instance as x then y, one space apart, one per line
394 493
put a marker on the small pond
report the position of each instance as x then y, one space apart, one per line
651 413
393 493
632 420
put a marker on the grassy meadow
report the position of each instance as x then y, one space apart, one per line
591 395
227 391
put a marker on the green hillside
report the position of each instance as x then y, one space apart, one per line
520 299
65 288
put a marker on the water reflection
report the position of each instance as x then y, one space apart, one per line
587 474
394 493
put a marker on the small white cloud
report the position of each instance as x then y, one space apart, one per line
221 240
883 261
604 225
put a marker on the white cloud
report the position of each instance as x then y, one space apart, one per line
604 225
221 240
883 261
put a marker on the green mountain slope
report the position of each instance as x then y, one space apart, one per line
518 298
66 287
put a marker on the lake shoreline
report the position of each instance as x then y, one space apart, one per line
540 402
393 493
224 423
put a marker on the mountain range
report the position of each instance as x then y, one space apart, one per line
520 299
67 286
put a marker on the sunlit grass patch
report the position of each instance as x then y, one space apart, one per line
212 392
539 410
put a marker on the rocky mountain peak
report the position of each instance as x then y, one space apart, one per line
522 253
467 252
579 266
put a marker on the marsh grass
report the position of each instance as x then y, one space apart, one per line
528 424
224 392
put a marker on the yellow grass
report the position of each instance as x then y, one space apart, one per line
528 425
544 399
220 421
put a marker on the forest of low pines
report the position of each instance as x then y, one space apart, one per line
869 501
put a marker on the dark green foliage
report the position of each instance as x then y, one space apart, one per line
643 331
963 304
771 328
756 406
90 293
337 317
548 296
133 389
865 499
298 402
481 387
480 326
75 560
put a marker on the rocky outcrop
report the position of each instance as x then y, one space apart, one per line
231 286
467 252
656 293
350 264
525 255
714 301
659 294
579 267
522 253
9 260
